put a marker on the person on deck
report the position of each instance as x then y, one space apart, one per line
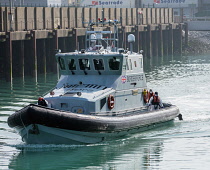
42 102
145 96
155 102
150 94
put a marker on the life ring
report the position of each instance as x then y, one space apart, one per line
111 102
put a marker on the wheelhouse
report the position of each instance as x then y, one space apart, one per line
90 64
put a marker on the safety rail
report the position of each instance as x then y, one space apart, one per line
120 112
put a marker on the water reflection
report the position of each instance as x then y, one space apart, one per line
20 92
135 151
121 154
152 63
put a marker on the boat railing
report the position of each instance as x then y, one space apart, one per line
93 36
121 112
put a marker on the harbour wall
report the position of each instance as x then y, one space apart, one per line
30 35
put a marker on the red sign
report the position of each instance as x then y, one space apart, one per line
157 1
94 2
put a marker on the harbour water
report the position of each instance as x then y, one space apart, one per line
183 81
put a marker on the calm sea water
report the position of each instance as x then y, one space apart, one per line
185 144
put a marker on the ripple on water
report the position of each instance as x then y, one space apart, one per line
181 145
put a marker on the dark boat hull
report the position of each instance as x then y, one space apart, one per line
36 124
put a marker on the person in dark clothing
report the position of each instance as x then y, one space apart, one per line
155 102
42 102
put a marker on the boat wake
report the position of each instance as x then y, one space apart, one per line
46 147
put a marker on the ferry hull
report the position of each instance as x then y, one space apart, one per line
39 125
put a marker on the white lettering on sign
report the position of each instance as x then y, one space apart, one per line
134 78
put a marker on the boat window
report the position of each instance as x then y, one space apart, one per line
71 64
61 63
141 64
114 63
127 66
98 64
84 64
135 64
130 62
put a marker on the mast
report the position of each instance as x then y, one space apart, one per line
92 36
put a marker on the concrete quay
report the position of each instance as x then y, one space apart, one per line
28 40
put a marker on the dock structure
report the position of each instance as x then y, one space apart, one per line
29 36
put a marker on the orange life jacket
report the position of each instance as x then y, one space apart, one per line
150 95
156 100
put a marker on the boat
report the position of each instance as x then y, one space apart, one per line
98 97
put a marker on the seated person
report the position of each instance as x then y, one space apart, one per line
155 102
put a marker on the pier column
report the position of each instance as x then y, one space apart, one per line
2 59
160 40
8 58
124 38
137 39
48 46
64 44
154 43
34 54
170 40
55 47
55 37
165 42
44 59
22 63
140 41
68 44
120 38
144 42
149 41
41 56
61 44
186 34
178 40
75 40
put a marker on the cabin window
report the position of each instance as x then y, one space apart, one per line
141 64
114 63
98 64
127 65
61 63
84 64
135 64
64 105
72 64
130 63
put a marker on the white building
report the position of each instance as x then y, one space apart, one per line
189 6
108 3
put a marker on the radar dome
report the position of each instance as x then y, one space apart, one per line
131 38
